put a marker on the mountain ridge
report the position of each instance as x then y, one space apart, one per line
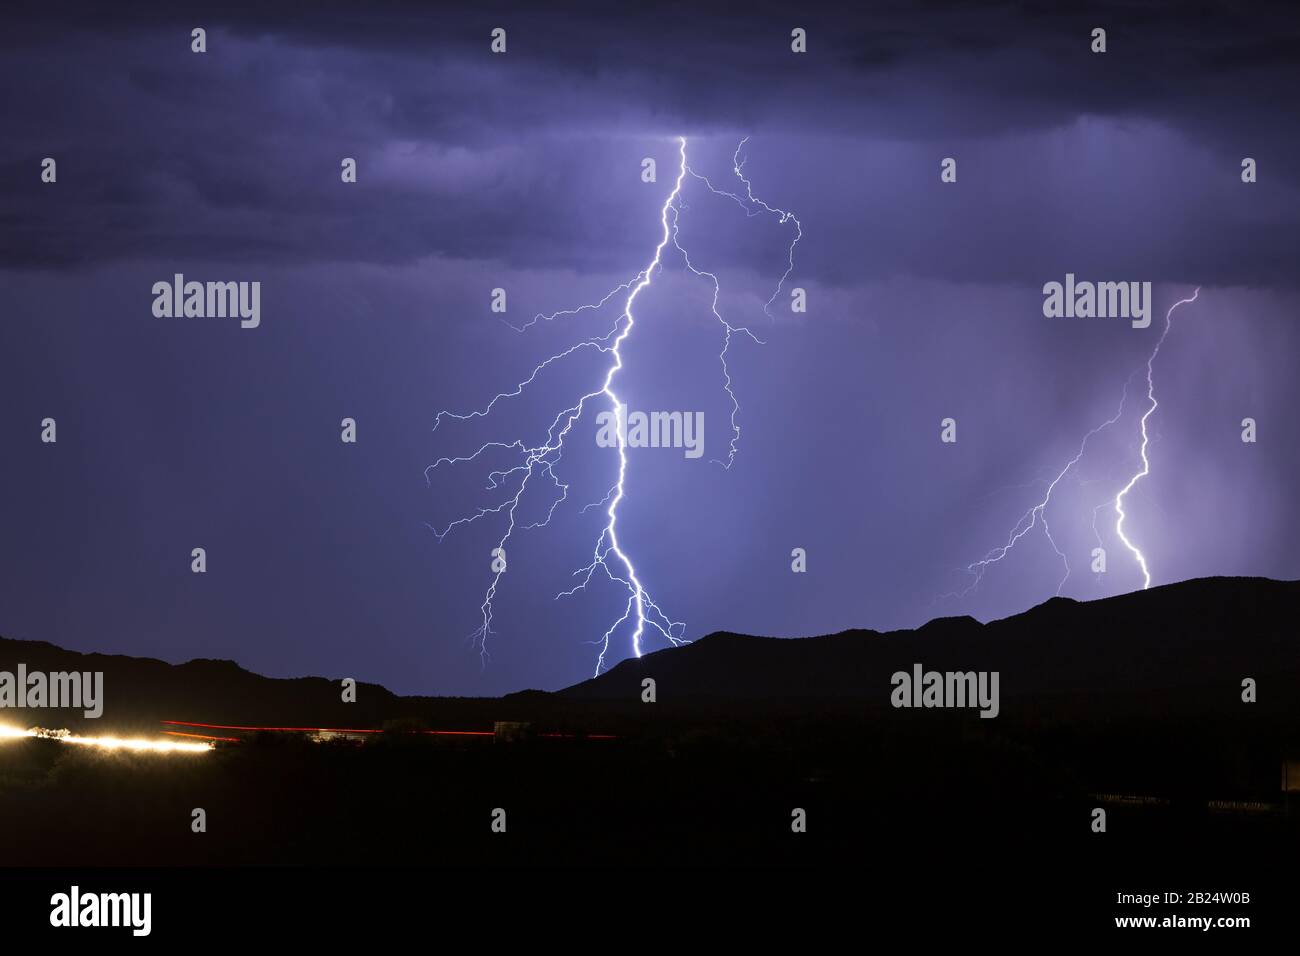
843 663
1227 628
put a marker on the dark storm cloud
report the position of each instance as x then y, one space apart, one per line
1161 54
234 155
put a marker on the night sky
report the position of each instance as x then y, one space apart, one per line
523 171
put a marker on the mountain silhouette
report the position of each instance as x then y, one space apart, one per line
1178 641
1187 645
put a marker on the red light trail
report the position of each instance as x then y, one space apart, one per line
352 730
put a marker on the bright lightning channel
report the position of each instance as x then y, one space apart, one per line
608 556
1146 463
1037 514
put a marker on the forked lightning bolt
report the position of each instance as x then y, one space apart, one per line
1146 463
538 462
1037 514
752 205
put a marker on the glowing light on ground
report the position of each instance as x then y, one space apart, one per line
136 744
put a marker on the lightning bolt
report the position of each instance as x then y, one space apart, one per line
1146 463
538 462
1037 513
752 206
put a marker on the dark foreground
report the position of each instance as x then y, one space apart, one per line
948 818
1132 706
